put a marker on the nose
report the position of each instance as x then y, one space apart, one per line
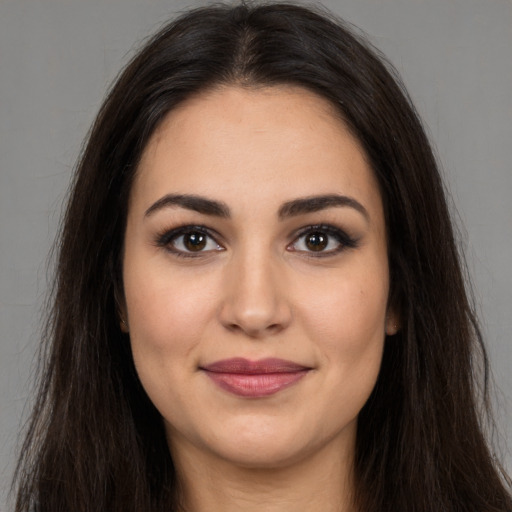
255 297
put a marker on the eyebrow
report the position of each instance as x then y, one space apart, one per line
190 202
317 203
292 208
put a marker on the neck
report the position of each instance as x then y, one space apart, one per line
322 482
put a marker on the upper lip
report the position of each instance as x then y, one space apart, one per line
239 365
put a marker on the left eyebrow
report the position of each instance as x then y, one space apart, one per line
312 204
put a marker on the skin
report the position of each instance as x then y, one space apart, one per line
257 290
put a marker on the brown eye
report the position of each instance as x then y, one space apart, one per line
195 241
188 241
322 241
316 241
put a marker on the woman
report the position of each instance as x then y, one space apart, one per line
259 302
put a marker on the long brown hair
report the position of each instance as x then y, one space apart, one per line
95 442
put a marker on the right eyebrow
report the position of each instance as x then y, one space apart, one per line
190 202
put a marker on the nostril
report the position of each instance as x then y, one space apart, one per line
254 332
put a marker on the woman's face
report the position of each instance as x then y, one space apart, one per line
256 277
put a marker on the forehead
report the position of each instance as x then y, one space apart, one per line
265 144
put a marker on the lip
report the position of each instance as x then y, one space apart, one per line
255 379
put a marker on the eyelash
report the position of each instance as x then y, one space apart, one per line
344 240
167 237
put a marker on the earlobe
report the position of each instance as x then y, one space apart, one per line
121 311
392 324
123 324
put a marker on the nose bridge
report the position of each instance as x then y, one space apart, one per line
255 295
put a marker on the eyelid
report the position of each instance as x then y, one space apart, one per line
165 237
344 240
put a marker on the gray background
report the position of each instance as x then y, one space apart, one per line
58 57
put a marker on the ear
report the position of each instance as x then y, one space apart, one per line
123 324
392 322
121 311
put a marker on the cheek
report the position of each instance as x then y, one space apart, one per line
166 321
167 317
348 319
166 307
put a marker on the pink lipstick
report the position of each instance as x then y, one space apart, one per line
254 378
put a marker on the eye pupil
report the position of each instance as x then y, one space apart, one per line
316 241
195 241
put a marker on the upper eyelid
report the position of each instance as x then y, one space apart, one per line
185 228
313 227
328 228
188 228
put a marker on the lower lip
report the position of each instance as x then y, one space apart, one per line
258 385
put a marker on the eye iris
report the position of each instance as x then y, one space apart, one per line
194 241
316 241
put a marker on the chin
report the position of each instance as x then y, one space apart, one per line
263 454
265 445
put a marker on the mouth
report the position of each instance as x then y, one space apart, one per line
255 379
